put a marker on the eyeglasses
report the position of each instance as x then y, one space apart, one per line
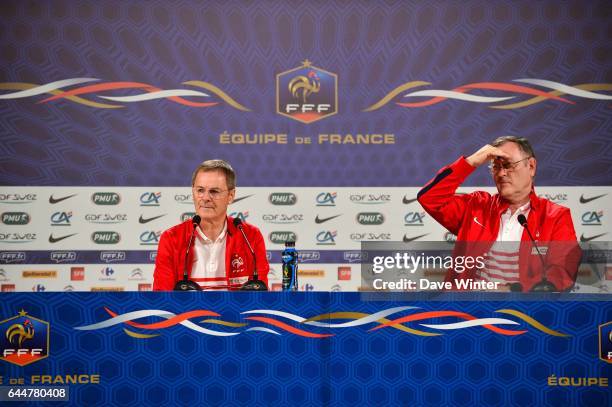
509 167
214 193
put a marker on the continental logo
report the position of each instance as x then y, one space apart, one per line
106 198
15 218
311 273
24 339
107 288
282 198
39 274
510 95
105 237
370 218
306 93
282 237
107 95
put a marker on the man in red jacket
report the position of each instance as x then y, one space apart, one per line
489 225
220 256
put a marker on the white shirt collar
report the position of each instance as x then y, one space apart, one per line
219 239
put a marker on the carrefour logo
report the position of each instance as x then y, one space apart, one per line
326 199
327 237
592 218
282 237
282 198
149 238
370 218
105 237
15 218
61 219
106 198
150 199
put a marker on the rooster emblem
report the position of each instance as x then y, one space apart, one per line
20 331
304 86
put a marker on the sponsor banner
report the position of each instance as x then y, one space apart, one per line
35 332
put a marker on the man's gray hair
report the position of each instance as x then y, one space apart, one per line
522 143
217 165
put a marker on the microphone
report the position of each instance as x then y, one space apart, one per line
543 286
254 284
186 284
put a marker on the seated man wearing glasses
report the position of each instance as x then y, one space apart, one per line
220 256
491 223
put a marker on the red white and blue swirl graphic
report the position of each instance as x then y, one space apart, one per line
408 319
97 94
498 95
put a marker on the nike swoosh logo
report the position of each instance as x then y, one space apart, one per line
584 200
476 220
586 239
53 200
57 239
241 198
410 239
406 201
318 220
147 220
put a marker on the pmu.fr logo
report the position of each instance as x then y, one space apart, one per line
306 93
592 218
605 342
24 339
150 199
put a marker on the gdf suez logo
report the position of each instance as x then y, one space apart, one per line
306 93
150 199
24 339
592 218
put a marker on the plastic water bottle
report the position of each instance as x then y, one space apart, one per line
290 267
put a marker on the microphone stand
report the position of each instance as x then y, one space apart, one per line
544 286
254 283
186 284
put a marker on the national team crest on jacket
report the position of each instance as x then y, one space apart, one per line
307 93
237 264
24 339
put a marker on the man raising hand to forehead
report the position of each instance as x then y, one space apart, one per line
493 220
